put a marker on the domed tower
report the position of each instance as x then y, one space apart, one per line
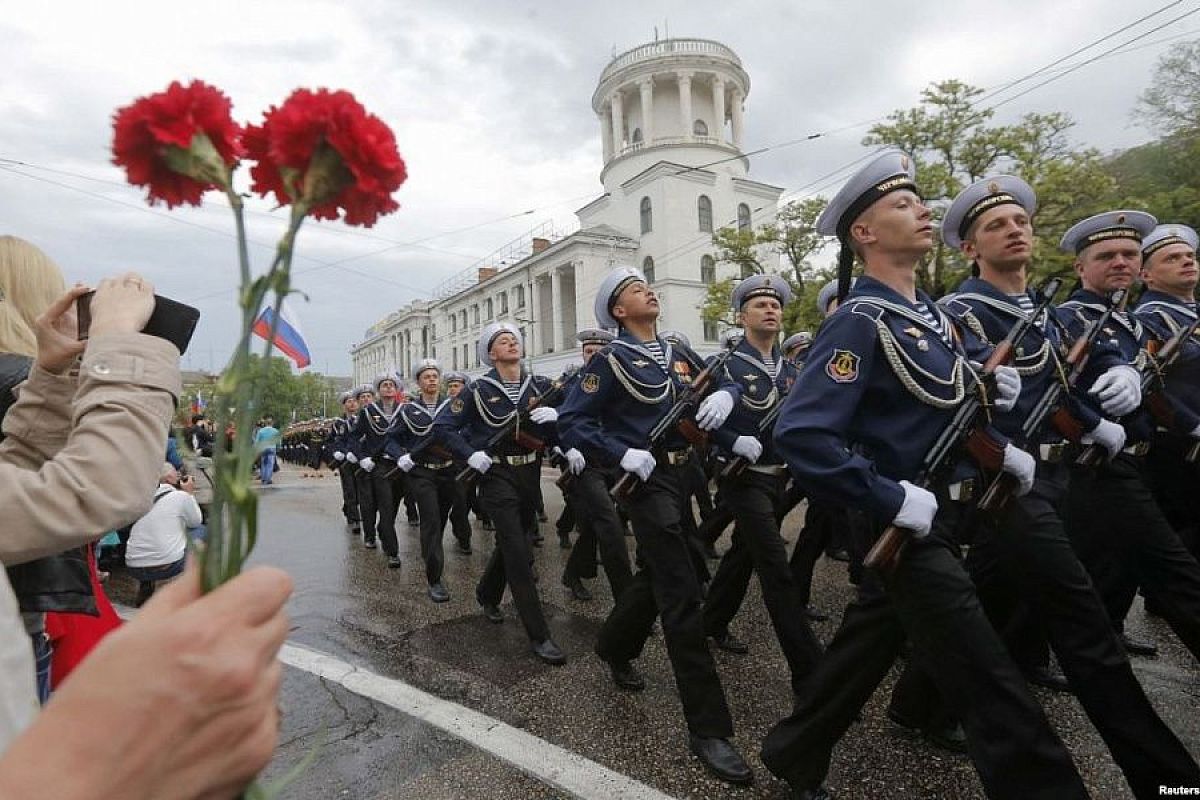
670 100
674 172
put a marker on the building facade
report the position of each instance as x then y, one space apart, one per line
671 115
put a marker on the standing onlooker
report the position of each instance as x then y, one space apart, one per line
158 541
265 441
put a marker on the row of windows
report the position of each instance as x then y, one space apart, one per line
708 269
704 213
459 319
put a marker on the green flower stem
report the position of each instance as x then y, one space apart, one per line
233 523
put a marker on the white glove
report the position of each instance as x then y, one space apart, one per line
405 462
480 461
1021 466
639 462
339 456
367 464
714 410
1119 390
575 461
1008 388
1108 435
748 448
543 415
916 514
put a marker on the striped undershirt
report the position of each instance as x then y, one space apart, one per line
1024 301
934 320
769 363
513 390
656 350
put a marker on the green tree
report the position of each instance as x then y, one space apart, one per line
285 394
1171 104
954 144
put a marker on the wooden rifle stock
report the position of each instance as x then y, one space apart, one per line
885 553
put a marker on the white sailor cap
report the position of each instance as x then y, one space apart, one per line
799 339
980 197
388 376
424 364
1167 235
594 336
890 171
454 376
829 293
344 396
728 335
610 289
761 286
489 334
1135 225
362 389
676 337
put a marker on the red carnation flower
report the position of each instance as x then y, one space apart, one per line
179 143
324 150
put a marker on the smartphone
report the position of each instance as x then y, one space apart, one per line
170 320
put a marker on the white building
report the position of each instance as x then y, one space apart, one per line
672 122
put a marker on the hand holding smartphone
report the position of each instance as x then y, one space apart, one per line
170 320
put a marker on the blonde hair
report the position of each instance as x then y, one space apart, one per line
29 283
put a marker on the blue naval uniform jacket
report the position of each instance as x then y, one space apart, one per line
369 434
990 313
621 393
465 424
879 386
759 393
413 425
1164 316
339 433
1124 333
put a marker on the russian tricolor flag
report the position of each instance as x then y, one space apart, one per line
288 337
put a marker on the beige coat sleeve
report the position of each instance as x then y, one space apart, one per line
76 464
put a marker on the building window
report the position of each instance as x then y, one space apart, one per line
504 302
647 216
704 209
747 271
710 331
453 323
520 293
455 354
487 308
467 357
648 269
743 217
462 319
637 136
708 270
699 128
475 314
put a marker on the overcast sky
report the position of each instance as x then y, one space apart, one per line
490 102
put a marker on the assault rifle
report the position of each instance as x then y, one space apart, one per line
675 418
765 425
514 428
1160 360
1050 406
962 433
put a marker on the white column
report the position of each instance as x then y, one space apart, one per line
738 97
606 137
685 102
618 125
646 88
718 92
555 333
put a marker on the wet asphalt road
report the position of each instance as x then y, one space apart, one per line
348 604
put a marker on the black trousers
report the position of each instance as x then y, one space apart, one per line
433 493
1125 541
599 528
1174 482
349 493
932 600
365 492
755 500
509 496
732 579
566 520
460 522
667 586
377 504
1024 552
823 531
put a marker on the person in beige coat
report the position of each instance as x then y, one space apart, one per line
180 702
